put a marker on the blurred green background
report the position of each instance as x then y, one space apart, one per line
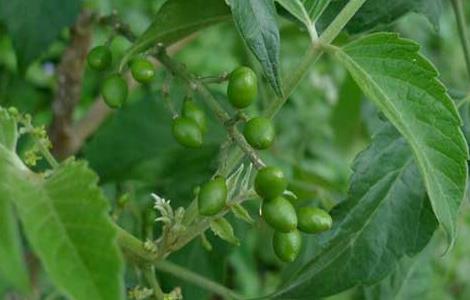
325 123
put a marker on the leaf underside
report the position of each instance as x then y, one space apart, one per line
256 22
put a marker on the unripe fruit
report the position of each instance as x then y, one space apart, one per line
270 182
187 132
114 91
212 197
142 70
280 214
194 112
259 133
313 220
99 58
242 87
287 245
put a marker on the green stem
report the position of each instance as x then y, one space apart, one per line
313 53
224 118
134 248
149 274
47 155
459 12
196 279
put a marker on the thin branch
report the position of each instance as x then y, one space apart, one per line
224 118
149 274
459 12
196 279
313 53
69 74
118 26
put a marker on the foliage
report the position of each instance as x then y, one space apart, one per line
115 202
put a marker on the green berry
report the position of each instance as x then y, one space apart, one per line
114 91
270 182
313 220
212 197
242 87
142 70
99 58
192 111
187 132
287 245
259 133
280 214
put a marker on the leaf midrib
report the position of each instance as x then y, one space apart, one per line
355 235
65 237
422 161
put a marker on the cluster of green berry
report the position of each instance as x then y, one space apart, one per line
280 214
114 88
270 182
189 129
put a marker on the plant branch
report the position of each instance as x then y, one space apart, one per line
149 274
117 25
459 12
136 251
224 118
313 53
196 279
69 75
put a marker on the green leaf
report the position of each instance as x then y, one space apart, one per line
409 281
256 22
240 212
222 228
34 25
297 9
12 266
403 85
315 7
146 150
65 220
8 131
346 117
386 217
64 217
177 19
383 12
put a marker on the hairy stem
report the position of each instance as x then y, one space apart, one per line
459 12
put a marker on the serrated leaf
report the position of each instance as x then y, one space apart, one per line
12 266
222 228
65 220
34 25
240 212
177 19
256 22
386 217
403 85
383 12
